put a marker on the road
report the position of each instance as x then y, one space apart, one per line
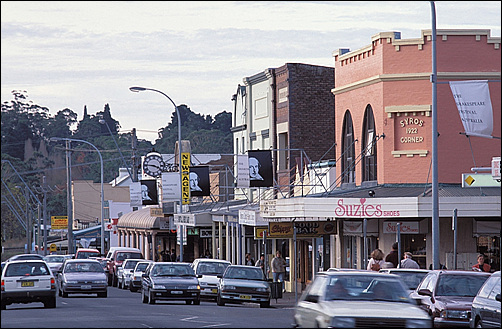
124 309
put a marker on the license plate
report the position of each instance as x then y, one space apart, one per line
176 292
245 296
215 291
85 287
27 284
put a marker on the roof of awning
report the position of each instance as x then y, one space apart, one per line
139 219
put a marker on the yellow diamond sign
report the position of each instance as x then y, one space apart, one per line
469 180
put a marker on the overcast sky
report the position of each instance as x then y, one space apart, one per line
70 54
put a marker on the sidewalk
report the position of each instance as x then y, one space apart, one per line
287 300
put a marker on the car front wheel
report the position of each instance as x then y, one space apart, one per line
143 296
219 301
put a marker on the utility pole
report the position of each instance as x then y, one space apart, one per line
134 142
68 196
45 223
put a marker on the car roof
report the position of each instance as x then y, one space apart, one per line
25 256
87 249
80 260
460 272
124 249
212 260
423 270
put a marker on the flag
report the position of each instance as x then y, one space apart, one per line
474 106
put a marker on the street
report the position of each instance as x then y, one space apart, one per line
124 309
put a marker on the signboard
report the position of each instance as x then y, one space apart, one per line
185 177
135 194
178 231
405 227
251 218
170 182
496 168
284 230
479 180
184 219
53 247
208 233
242 171
156 212
59 222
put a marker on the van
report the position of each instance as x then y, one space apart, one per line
115 258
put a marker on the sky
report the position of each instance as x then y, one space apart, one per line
88 53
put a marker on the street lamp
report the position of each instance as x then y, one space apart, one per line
138 89
102 192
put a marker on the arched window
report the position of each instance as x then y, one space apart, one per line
348 150
368 147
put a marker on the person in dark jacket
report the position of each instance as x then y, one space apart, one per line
392 255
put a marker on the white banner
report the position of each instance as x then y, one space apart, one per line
135 194
474 106
170 186
242 171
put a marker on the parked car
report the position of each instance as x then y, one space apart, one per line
410 276
115 257
485 308
358 299
209 269
242 283
28 281
26 257
137 273
54 262
124 272
170 281
84 253
82 276
447 295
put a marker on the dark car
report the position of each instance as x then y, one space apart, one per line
485 309
82 276
170 281
243 283
447 295
410 276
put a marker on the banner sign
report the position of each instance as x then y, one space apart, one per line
199 181
474 106
59 222
149 192
284 230
170 186
242 171
261 171
185 177
135 194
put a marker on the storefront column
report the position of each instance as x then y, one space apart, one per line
220 240
228 240
214 248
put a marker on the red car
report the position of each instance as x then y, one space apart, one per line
448 295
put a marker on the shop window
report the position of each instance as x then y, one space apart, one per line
369 147
348 150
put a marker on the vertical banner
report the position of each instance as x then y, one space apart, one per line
199 181
170 186
474 106
135 194
185 177
260 168
149 193
242 171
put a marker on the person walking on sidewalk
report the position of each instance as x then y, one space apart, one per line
392 255
261 264
278 269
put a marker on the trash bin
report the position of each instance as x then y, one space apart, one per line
276 289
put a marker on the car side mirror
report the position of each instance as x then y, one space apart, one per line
144 275
497 297
199 276
424 292
219 276
312 298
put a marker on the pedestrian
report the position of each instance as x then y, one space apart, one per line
173 255
249 260
392 255
278 269
376 261
408 262
166 256
261 263
481 266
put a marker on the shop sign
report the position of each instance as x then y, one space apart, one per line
405 228
258 232
184 219
283 230
251 218
164 224
267 208
208 233
156 212
363 210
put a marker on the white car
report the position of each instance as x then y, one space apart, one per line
139 269
124 272
358 299
209 269
28 281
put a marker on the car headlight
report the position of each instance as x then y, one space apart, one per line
337 322
262 289
228 287
454 314
100 281
194 287
71 282
418 323
159 286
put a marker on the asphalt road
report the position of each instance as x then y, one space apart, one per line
124 309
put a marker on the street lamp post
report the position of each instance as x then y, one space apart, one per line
102 191
138 89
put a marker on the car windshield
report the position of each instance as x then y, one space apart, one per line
411 279
26 269
459 285
243 273
83 267
121 256
129 265
54 259
141 267
211 268
172 270
363 287
86 254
